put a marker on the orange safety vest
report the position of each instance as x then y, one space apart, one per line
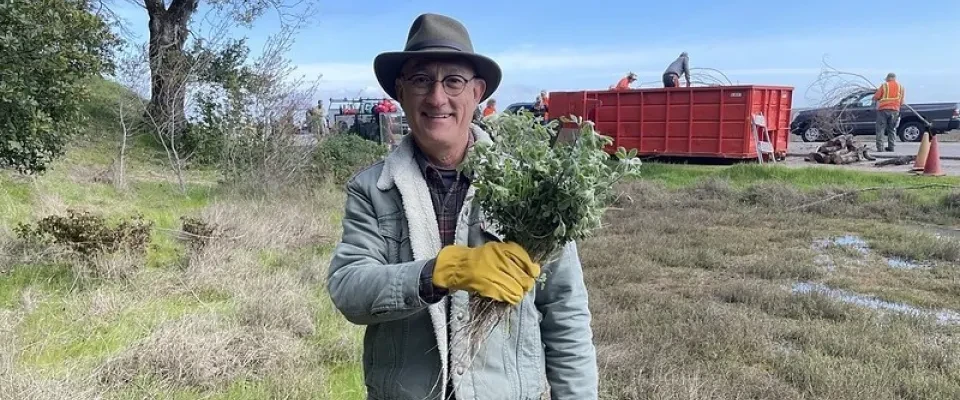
489 111
890 96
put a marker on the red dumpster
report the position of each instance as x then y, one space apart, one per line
712 122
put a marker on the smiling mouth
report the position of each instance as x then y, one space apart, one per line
437 116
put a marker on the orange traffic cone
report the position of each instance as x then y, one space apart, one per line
921 161
932 166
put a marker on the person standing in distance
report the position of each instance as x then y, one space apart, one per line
889 98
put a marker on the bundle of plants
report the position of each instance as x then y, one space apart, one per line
542 190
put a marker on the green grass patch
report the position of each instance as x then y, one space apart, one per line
67 337
741 175
55 279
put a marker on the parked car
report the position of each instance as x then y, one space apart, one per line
516 107
856 114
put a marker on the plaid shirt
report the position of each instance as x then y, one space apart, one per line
448 187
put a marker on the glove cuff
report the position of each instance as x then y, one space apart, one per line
448 269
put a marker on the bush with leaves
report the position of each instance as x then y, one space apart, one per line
48 50
88 234
338 157
220 102
542 190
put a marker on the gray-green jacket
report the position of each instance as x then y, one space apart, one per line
389 233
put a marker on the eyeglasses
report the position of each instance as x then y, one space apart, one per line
453 85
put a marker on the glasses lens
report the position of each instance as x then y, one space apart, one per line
453 85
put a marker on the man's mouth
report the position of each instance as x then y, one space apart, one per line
437 116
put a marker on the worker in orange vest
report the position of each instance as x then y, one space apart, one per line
624 83
491 108
889 98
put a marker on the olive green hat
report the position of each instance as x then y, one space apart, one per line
434 35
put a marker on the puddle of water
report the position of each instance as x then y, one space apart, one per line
900 263
854 242
859 245
943 316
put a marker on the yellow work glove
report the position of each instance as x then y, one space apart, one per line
500 271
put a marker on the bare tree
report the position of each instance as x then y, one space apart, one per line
169 27
263 150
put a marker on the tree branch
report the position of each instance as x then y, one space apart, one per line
183 8
154 7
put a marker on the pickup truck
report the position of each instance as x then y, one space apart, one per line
856 114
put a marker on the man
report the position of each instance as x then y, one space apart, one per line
541 106
671 77
626 81
415 247
317 119
889 98
491 108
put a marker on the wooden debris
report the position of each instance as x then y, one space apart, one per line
840 150
902 160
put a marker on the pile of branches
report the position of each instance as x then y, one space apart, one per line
709 77
840 150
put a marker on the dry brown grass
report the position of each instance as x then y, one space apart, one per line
247 307
278 301
206 351
290 220
700 307
262 261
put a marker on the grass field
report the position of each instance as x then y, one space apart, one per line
713 299
738 282
244 317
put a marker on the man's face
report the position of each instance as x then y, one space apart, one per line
439 98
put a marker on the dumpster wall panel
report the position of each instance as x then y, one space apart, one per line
700 121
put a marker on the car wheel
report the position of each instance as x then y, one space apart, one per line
811 134
911 131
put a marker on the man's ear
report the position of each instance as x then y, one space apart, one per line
479 87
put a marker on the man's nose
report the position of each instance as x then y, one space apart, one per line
435 94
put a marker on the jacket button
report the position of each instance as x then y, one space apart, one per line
460 316
459 370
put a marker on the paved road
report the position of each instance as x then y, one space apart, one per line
947 149
949 155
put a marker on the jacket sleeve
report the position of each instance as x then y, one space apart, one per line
361 284
571 360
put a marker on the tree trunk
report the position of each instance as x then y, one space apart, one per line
169 69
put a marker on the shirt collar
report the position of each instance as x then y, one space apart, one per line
425 164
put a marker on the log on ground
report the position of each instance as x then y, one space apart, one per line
840 150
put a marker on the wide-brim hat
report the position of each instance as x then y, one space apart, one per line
433 35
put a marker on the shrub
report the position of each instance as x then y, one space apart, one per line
197 232
88 234
339 156
48 48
